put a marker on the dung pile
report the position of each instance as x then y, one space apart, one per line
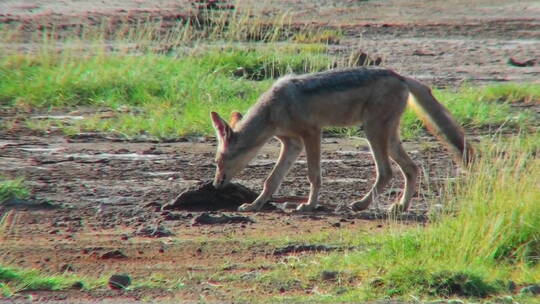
204 197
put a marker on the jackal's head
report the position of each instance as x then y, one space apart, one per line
232 155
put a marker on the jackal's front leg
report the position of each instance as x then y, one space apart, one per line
290 149
312 142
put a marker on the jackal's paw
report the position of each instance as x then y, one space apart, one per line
248 207
397 209
305 208
359 205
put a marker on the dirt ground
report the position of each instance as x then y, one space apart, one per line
105 192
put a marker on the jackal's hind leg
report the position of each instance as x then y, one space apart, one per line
312 142
290 149
409 171
377 136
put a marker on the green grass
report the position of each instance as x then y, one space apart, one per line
12 188
13 280
487 107
170 96
486 237
166 96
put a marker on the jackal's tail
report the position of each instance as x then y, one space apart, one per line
439 121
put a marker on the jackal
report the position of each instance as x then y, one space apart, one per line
296 108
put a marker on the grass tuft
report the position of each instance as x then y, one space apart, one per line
12 188
439 284
13 280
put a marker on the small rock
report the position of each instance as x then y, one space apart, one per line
531 289
115 254
327 275
336 225
526 63
119 281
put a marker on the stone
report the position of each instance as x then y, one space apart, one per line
119 281
115 254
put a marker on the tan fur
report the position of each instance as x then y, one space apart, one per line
296 108
235 118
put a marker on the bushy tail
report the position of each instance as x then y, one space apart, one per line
439 121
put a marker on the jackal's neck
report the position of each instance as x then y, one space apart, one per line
256 128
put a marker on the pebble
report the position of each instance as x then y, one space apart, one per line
119 281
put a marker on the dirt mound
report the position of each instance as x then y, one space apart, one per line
204 197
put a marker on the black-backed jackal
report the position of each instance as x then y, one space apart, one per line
296 108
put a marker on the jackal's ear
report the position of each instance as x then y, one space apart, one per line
235 118
223 131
